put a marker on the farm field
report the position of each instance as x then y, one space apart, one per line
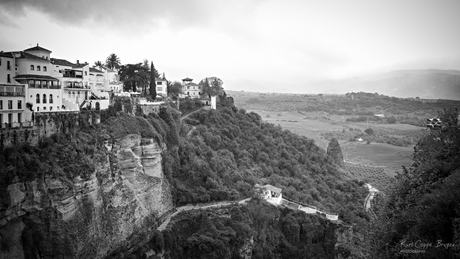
374 154
297 123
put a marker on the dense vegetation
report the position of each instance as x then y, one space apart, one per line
258 229
224 153
423 208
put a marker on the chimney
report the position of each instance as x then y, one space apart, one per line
78 61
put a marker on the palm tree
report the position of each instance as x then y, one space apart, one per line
134 76
98 64
112 61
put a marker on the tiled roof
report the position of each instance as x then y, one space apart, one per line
272 188
31 76
80 65
6 54
61 62
37 48
23 54
93 70
187 79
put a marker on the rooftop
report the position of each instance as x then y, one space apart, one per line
37 48
61 62
272 188
93 70
31 76
187 79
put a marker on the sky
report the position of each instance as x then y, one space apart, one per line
253 45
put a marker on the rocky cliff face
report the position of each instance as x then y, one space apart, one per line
59 217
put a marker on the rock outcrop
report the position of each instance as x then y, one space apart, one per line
60 217
335 152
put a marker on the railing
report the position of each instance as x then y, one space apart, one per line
15 125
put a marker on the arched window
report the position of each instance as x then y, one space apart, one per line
37 100
31 67
51 98
44 68
38 68
44 98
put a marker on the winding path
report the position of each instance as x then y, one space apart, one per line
196 207
370 196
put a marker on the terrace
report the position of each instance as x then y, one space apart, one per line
11 90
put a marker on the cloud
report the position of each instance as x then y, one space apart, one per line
7 21
129 16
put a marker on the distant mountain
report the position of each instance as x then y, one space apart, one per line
423 83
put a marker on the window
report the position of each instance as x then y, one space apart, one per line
37 98
38 109
51 98
19 117
51 108
159 89
86 73
10 104
44 99
0 62
159 83
44 68
19 104
44 108
8 78
1 104
31 67
38 68
8 66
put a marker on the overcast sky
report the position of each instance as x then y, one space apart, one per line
274 45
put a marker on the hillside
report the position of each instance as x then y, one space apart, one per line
429 83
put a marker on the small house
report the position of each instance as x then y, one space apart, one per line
271 194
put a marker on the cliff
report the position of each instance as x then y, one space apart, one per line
61 215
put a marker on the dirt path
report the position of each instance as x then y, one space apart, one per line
195 111
196 207
370 196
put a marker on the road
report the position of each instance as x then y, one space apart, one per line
196 207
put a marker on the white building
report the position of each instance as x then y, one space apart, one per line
162 87
271 194
190 89
75 82
13 110
33 68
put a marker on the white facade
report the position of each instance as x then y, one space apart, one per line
190 89
13 111
162 86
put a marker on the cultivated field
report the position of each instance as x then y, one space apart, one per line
373 154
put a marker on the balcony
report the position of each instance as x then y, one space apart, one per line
12 90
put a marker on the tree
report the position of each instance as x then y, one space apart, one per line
153 86
113 61
423 205
133 76
369 131
174 89
98 64
211 86
334 151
